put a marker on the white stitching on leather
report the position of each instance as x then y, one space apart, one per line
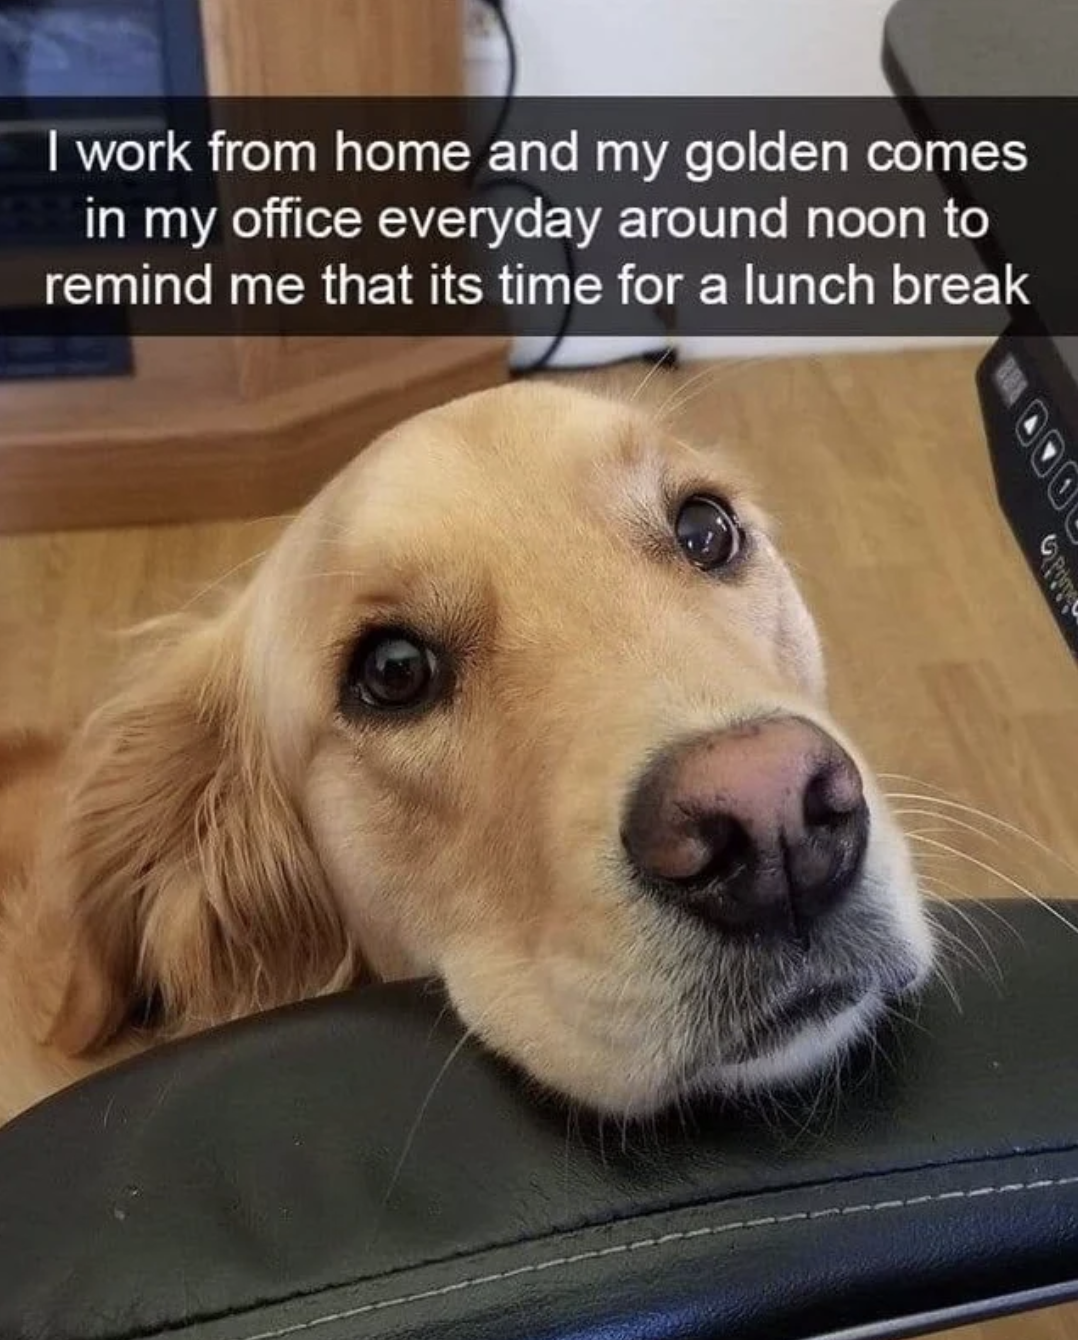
645 1244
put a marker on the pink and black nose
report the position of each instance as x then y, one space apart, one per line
760 829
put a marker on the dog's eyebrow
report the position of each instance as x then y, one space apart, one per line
383 597
636 449
435 606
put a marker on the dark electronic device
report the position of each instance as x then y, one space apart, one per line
80 67
937 50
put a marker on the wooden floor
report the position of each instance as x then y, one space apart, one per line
945 664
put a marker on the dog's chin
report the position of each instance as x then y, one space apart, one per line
797 1053
684 1036
805 1040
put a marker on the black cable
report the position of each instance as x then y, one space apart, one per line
558 338
666 356
496 7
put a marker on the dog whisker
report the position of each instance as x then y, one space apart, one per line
952 822
950 853
204 592
986 905
1006 879
973 810
695 386
329 574
413 1131
907 1020
826 1086
572 1119
668 407
659 365
943 975
972 957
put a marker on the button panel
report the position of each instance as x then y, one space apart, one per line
1048 454
1032 421
1051 459
1032 426
1063 489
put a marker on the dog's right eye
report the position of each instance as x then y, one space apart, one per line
709 533
392 670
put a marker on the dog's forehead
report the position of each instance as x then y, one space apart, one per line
502 485
504 449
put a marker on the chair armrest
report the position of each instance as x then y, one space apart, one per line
353 1168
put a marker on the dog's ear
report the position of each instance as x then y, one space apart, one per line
190 890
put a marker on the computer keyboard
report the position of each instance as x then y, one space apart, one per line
37 344
36 212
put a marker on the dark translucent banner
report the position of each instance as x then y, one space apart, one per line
712 216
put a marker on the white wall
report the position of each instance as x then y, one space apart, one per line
704 48
699 47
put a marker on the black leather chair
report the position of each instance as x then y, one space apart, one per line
351 1168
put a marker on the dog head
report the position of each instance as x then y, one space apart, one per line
527 699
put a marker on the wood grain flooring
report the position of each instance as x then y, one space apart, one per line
944 663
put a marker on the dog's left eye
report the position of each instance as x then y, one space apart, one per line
391 669
708 532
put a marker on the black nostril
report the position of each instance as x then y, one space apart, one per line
731 851
818 808
834 794
727 888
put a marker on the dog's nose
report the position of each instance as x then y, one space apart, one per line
757 829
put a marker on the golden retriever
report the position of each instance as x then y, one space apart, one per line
526 699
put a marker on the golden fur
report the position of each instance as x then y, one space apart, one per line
219 837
